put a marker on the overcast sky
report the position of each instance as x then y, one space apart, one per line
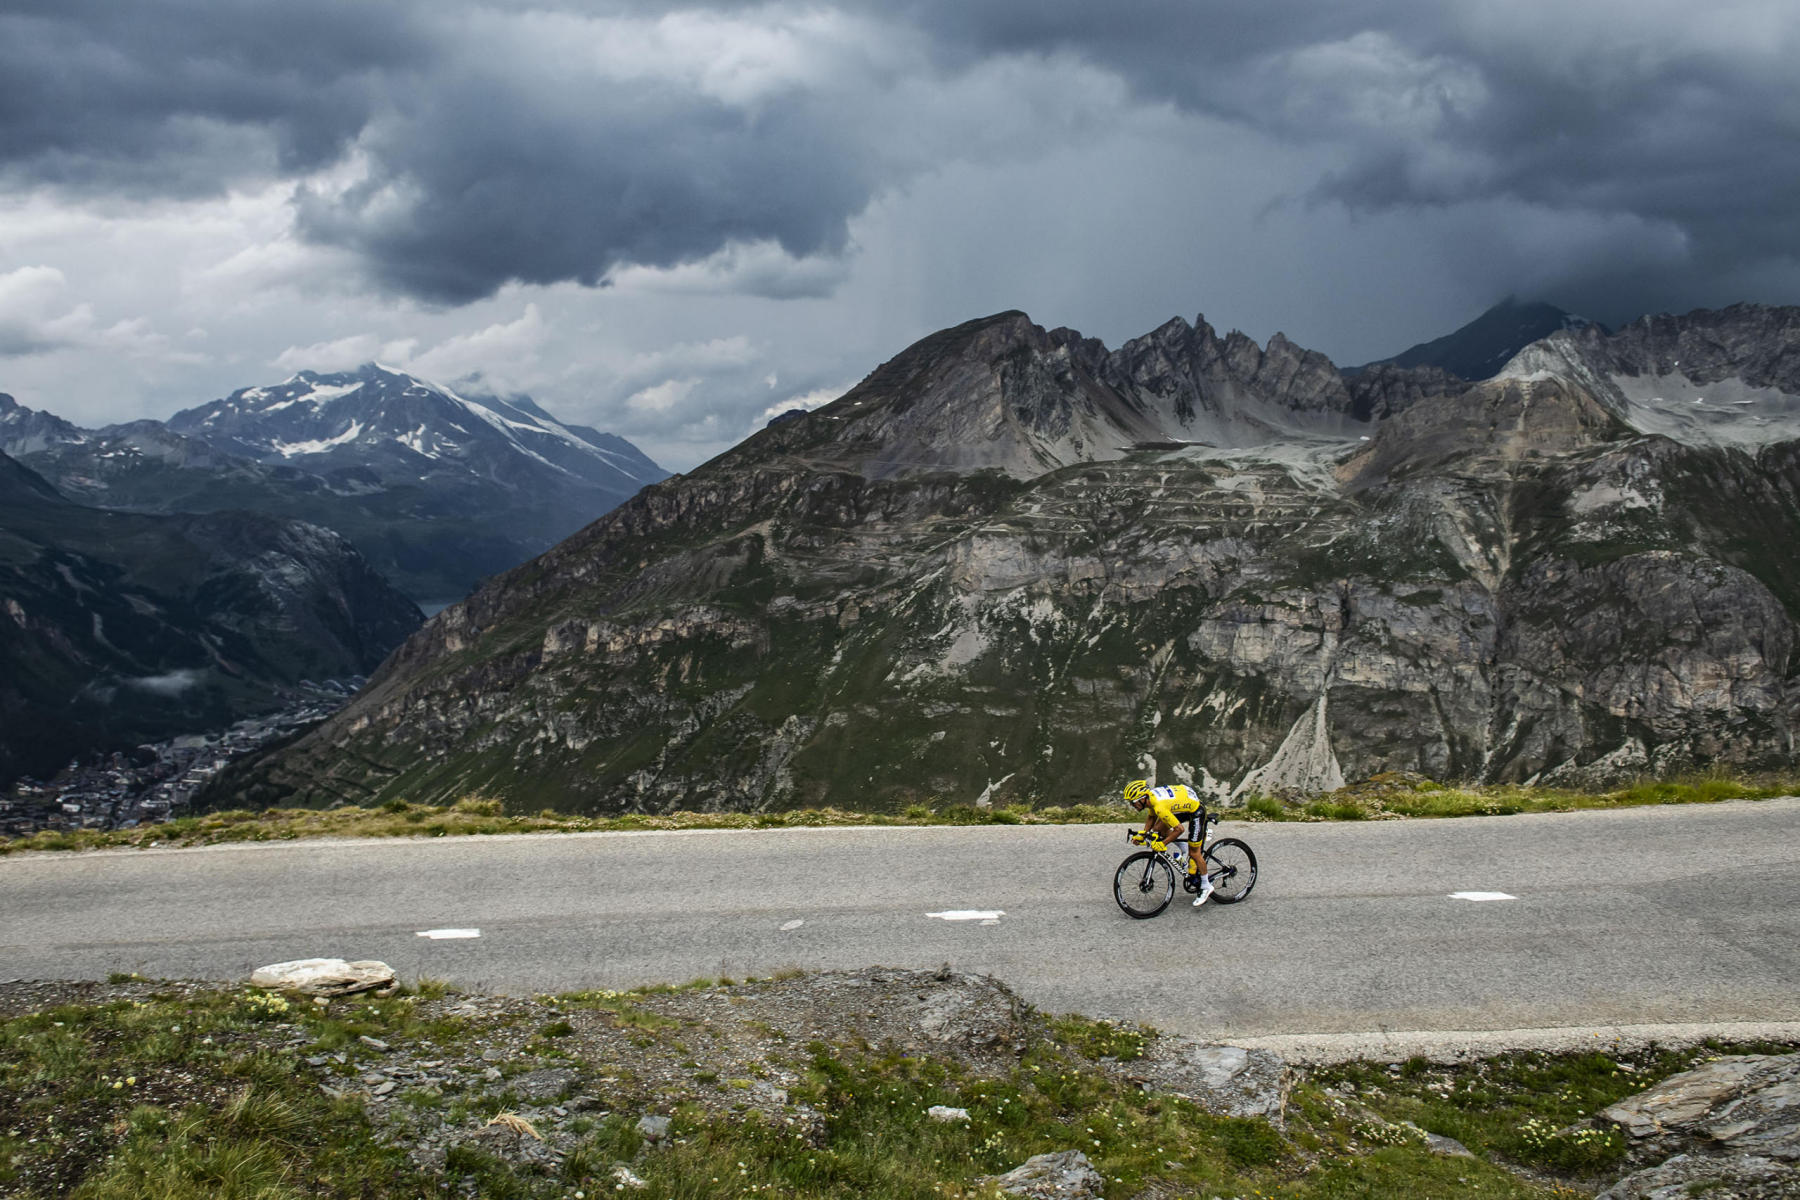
670 221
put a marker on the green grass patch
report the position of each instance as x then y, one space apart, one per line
1401 794
180 1095
178 1091
1528 1109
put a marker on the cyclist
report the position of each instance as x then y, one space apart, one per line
1174 815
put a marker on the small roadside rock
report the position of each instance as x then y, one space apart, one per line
1064 1175
1228 1080
326 977
946 1114
654 1128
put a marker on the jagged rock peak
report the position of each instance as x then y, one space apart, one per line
1002 393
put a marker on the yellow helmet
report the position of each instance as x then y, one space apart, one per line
1137 792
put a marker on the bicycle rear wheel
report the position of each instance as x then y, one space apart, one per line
1144 885
1232 868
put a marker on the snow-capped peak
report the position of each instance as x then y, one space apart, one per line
401 425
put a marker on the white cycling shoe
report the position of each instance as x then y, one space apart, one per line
1206 889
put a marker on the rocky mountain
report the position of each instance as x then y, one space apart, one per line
1485 345
436 487
1013 563
117 628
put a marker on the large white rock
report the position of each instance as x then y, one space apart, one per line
324 976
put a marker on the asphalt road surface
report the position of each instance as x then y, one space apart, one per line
1680 914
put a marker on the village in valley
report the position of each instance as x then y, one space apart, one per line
157 781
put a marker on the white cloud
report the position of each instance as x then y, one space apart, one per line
661 397
759 268
504 353
35 321
340 354
805 402
691 358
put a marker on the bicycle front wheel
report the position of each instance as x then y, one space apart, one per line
1144 885
1232 868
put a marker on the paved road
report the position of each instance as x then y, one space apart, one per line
1629 916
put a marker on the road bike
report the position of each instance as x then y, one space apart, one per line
1145 882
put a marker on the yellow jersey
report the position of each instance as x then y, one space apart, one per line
1173 805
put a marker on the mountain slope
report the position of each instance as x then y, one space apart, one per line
437 489
117 628
1012 563
1481 348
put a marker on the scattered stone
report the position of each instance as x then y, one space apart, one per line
385 1088
1228 1080
625 1176
372 1043
325 977
491 1074
946 1114
1741 1175
1065 1175
654 1128
1437 1143
547 1084
510 1137
491 1055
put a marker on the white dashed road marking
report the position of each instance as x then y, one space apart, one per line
438 935
792 925
987 916
1479 896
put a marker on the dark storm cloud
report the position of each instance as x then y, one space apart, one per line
488 143
1683 119
162 97
473 186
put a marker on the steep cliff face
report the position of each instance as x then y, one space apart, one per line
1013 563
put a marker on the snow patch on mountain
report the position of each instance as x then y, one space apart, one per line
290 449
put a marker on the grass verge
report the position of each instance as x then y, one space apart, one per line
180 1091
1385 797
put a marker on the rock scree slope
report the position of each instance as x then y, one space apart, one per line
1012 563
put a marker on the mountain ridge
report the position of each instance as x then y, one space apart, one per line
1483 347
439 490
1507 580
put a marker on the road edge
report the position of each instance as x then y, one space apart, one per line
1464 1045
